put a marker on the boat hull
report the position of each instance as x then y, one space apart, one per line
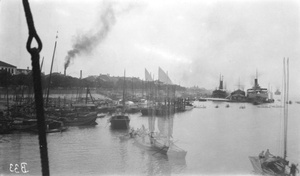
119 122
82 120
275 167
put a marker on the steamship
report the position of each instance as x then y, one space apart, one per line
220 92
256 94
277 92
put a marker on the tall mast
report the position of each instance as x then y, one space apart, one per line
42 63
51 69
123 100
286 99
286 102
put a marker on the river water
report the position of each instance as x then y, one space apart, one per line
218 141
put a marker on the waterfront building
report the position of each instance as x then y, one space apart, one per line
238 96
8 67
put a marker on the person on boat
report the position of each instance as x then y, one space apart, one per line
268 154
261 155
151 138
293 169
131 133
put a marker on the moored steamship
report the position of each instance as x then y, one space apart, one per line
256 94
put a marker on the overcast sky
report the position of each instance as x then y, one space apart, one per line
194 41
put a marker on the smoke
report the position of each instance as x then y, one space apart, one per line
85 43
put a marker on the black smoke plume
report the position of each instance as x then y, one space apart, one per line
85 43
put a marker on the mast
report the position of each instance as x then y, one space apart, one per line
7 98
286 99
286 102
132 88
51 70
123 100
42 63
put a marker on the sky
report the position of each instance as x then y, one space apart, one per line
194 41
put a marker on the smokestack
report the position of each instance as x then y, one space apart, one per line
80 74
221 83
65 71
255 82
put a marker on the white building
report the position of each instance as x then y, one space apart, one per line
10 68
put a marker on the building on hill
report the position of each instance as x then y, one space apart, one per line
8 67
23 71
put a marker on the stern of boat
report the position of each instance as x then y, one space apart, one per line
256 164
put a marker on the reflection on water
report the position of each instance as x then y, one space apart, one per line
160 164
209 135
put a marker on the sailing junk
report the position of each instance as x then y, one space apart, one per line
120 120
160 141
269 164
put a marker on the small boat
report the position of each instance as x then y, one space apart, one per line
80 119
150 143
277 92
202 106
189 106
202 99
242 107
134 133
23 124
277 106
175 151
101 115
53 126
216 106
227 106
120 121
262 106
256 102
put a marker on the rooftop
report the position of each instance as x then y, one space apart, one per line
4 64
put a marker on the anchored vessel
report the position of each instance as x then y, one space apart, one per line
120 121
256 94
269 164
220 92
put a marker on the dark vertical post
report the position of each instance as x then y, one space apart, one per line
49 82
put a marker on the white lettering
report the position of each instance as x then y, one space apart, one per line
23 167
16 168
11 167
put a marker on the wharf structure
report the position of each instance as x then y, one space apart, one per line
238 95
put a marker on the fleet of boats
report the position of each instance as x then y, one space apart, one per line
159 106
255 95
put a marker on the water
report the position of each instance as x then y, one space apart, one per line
217 141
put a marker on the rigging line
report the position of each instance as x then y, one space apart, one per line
35 56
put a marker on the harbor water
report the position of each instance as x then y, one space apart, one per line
218 141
